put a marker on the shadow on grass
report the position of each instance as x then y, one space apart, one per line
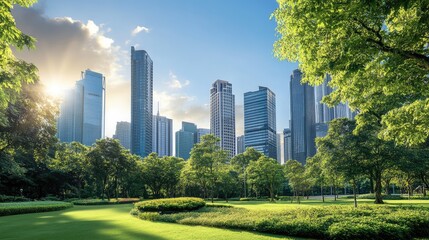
62 225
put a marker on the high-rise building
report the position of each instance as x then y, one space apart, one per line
280 148
260 121
185 139
141 102
303 130
122 133
201 132
82 112
324 114
287 144
162 135
240 144
222 115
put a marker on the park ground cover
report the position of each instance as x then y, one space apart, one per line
109 222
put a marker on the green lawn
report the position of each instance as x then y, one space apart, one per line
107 222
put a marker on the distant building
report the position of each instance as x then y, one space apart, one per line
260 121
162 135
287 144
201 132
321 129
185 139
222 115
141 102
280 148
240 144
123 134
303 132
83 110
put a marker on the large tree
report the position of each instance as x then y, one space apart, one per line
377 53
13 72
241 161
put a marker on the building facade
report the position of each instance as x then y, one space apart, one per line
141 102
123 134
222 115
201 132
185 139
82 113
260 121
280 148
240 144
162 135
303 132
287 144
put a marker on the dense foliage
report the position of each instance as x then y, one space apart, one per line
32 207
333 222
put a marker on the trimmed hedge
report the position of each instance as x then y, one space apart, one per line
218 205
168 205
105 201
5 198
330 222
32 207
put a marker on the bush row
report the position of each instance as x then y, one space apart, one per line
5 198
169 205
105 201
32 207
333 222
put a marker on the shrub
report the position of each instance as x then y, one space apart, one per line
254 199
218 205
169 205
5 198
105 201
32 207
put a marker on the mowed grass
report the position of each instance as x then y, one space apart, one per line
108 222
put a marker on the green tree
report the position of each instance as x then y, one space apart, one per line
266 172
13 72
241 161
376 52
314 171
228 181
206 161
343 151
295 174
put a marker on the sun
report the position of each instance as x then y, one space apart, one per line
54 90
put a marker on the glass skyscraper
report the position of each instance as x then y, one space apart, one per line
260 121
222 115
82 112
141 102
185 139
303 132
162 142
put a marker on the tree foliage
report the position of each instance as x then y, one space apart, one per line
376 51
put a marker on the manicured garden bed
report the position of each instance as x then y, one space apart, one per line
32 207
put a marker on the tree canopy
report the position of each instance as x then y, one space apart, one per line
377 53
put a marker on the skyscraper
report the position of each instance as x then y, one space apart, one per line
162 135
122 133
287 147
240 144
185 139
280 148
141 102
324 114
260 121
303 132
82 112
222 115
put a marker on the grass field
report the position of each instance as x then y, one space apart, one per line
108 222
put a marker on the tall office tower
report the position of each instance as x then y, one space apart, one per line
287 144
162 135
324 114
141 102
201 132
280 148
303 130
122 133
260 121
185 139
83 110
240 144
222 115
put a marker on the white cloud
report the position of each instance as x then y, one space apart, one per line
139 29
175 83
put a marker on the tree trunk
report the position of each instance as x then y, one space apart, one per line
335 192
387 187
271 193
321 192
244 183
354 193
378 188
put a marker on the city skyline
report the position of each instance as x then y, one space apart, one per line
70 37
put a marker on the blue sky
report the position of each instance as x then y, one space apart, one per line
192 43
